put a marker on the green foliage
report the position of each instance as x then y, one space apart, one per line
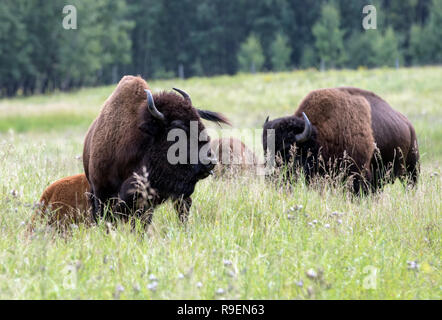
419 45
54 58
372 49
154 38
280 53
15 50
250 56
99 45
425 42
160 73
386 49
435 31
309 57
328 37
362 48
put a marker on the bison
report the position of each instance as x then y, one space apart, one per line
233 156
332 125
64 202
131 135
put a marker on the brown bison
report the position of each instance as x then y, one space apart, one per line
131 135
335 124
233 156
64 202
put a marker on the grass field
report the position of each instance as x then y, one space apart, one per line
244 240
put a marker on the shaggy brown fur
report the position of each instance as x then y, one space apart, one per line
233 156
65 202
354 122
125 137
395 139
343 125
111 134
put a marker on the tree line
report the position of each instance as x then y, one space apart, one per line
186 38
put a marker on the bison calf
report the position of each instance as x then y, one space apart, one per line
64 202
233 156
67 201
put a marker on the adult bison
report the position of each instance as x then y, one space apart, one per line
332 125
131 135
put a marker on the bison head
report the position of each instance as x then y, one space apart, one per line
176 150
291 140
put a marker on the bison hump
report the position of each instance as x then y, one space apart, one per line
343 122
116 128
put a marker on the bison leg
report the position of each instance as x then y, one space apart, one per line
412 161
361 179
102 202
182 207
145 218
128 198
412 167
135 202
94 208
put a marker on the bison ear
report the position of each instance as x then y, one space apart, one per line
151 128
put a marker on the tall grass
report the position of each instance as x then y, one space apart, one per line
245 238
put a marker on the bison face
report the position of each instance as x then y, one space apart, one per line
291 140
177 149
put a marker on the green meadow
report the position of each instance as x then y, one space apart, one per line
245 239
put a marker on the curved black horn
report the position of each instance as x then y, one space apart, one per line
267 120
307 133
184 94
151 106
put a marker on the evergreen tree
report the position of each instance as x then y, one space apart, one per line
425 42
14 49
328 37
166 38
419 50
250 56
309 57
281 52
386 50
434 31
361 47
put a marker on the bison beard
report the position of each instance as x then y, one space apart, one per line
353 131
129 136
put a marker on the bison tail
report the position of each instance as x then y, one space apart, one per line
213 116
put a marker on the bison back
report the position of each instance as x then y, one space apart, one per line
65 201
343 122
111 143
394 134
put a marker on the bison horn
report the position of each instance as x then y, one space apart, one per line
306 134
152 109
184 94
267 120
